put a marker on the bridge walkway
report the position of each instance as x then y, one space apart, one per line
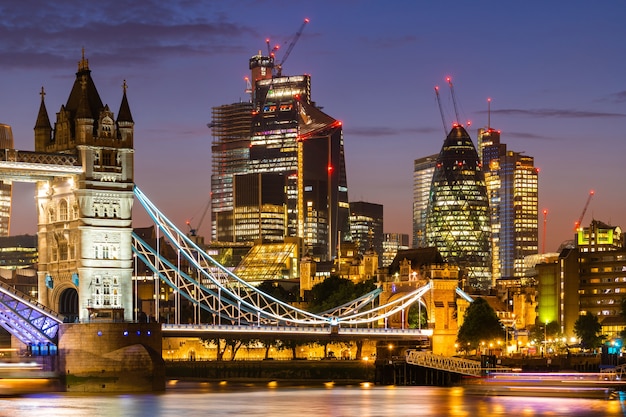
28 320
444 363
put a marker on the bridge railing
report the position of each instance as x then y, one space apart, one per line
199 329
444 363
29 157
228 328
615 373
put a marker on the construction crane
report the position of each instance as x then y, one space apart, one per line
279 66
580 219
248 87
443 118
456 112
270 50
194 230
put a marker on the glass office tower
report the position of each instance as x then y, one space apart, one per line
512 186
457 223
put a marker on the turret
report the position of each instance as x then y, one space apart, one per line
125 121
43 128
84 119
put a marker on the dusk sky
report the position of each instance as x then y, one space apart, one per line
555 71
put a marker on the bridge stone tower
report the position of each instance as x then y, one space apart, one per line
442 305
84 220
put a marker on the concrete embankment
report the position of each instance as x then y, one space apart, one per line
295 370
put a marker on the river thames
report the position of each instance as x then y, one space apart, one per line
214 399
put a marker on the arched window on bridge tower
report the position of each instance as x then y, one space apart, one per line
63 212
63 251
72 247
106 127
54 251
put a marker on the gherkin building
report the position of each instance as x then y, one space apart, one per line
457 223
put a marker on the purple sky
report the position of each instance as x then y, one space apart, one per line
555 71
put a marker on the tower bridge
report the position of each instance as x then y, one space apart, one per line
84 174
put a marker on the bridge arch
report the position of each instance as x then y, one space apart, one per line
395 321
66 299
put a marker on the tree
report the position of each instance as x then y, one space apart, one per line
480 324
292 345
277 291
417 317
268 344
588 329
335 291
539 332
233 344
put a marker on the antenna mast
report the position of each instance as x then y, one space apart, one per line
443 119
488 114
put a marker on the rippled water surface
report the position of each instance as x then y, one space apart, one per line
213 399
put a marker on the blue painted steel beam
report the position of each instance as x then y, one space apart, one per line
26 319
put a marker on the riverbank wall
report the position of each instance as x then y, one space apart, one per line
272 370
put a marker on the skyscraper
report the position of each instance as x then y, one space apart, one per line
292 139
392 243
6 142
366 225
512 185
230 124
423 169
457 223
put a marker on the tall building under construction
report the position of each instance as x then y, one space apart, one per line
282 174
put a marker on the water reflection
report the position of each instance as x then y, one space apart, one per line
279 399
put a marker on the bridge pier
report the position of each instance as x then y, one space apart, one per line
111 357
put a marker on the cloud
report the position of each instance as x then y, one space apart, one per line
113 33
529 136
619 97
385 131
561 113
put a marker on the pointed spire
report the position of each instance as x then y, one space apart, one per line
83 111
43 121
124 115
83 64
